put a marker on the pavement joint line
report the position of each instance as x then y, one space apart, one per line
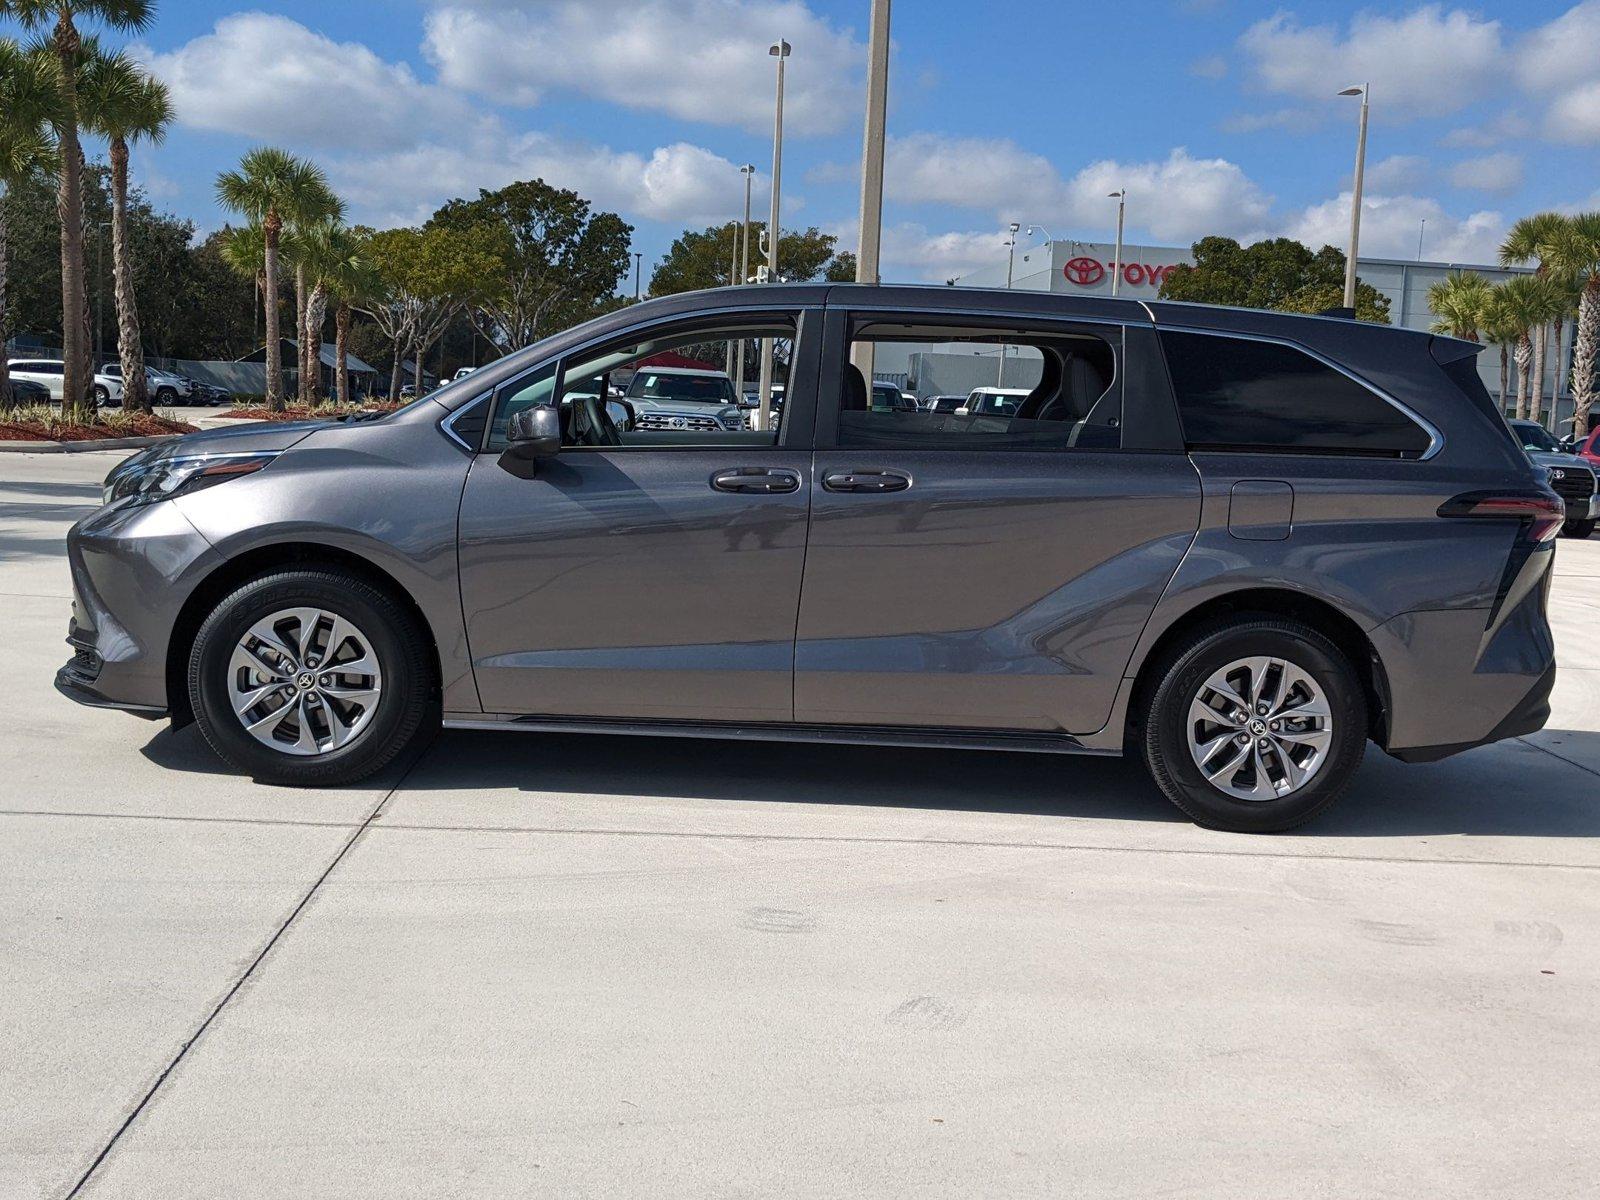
1571 762
195 1037
114 816
991 845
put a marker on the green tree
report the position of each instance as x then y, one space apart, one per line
61 18
1458 302
428 276
123 104
269 188
1277 273
556 259
1529 240
28 93
700 258
1499 329
842 269
1575 252
1530 302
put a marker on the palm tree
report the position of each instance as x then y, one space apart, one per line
66 43
27 94
244 249
123 104
270 187
341 270
1499 329
1530 303
1576 252
1530 240
1458 302
317 207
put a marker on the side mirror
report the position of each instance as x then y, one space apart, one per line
535 434
623 415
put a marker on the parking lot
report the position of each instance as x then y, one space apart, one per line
605 966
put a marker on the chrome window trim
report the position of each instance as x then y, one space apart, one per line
1436 438
447 424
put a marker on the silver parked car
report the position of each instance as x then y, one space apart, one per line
1240 545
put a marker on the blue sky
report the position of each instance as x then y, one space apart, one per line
1217 115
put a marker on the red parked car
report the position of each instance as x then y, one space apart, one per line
1589 450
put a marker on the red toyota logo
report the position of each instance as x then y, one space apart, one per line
1085 272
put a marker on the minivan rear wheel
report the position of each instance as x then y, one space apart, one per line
310 678
1255 726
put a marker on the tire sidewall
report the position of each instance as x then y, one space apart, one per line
392 640
1169 735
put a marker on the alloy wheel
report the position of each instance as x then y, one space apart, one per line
1260 728
304 681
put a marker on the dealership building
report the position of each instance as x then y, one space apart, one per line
1074 268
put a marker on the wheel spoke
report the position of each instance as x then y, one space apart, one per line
244 701
1270 691
364 696
263 632
307 741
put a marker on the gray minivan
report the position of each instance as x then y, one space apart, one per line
1238 544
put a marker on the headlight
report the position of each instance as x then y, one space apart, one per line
145 481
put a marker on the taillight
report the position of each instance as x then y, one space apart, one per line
1544 511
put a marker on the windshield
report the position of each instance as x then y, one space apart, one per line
1536 437
697 389
990 403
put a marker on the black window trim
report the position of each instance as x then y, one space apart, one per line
1435 438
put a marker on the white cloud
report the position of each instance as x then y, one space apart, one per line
1390 225
1180 197
1396 172
1504 128
1212 66
913 254
679 183
1561 61
1428 62
1500 172
697 60
1294 119
271 78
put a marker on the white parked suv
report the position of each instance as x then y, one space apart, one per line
50 371
162 387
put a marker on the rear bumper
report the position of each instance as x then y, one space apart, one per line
1530 716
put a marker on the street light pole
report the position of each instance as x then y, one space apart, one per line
1365 92
869 247
779 50
1121 196
749 173
1011 271
638 261
1421 233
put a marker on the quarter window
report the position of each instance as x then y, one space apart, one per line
1239 394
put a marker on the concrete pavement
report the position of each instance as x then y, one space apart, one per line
589 966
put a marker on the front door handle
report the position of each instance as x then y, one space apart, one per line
760 481
866 481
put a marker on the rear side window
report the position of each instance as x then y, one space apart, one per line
1240 394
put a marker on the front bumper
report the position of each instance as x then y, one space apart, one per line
132 571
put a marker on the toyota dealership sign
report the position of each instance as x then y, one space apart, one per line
1086 271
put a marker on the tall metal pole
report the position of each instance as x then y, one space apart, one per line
1365 92
1116 263
779 50
749 172
868 251
733 278
638 262
1011 271
1421 233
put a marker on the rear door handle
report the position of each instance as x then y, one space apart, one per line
866 481
759 481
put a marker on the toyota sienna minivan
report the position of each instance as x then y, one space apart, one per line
1238 544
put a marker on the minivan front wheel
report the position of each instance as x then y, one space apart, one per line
1255 726
310 678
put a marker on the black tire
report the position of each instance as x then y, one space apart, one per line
1578 529
407 709
102 396
167 396
1179 678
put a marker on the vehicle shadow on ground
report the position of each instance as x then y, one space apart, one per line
1512 790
